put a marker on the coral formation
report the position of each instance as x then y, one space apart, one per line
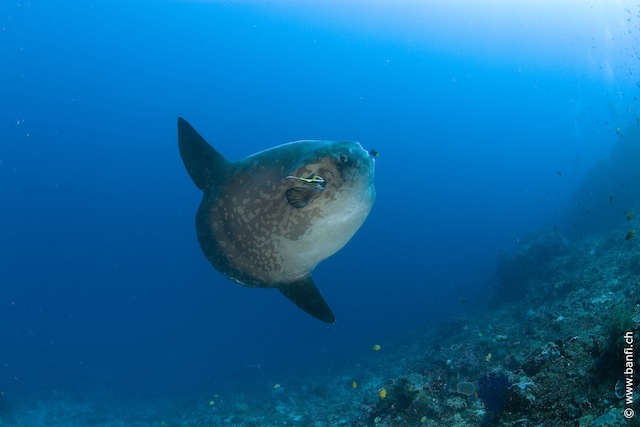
551 357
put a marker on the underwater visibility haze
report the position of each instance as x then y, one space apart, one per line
502 244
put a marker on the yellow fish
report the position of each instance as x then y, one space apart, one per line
376 347
488 357
630 235
354 384
630 215
382 392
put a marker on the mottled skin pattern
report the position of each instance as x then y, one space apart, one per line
249 231
269 219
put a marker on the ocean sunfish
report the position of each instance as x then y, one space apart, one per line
268 220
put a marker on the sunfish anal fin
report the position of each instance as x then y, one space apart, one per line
204 164
306 295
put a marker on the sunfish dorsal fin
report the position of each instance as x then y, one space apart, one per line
306 295
204 164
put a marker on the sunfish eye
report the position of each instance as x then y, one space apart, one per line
343 158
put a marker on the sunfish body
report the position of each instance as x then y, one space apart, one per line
268 220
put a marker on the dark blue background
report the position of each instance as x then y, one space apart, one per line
484 134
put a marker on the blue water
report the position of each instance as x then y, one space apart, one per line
487 118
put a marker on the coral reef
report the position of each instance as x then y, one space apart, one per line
532 261
550 354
